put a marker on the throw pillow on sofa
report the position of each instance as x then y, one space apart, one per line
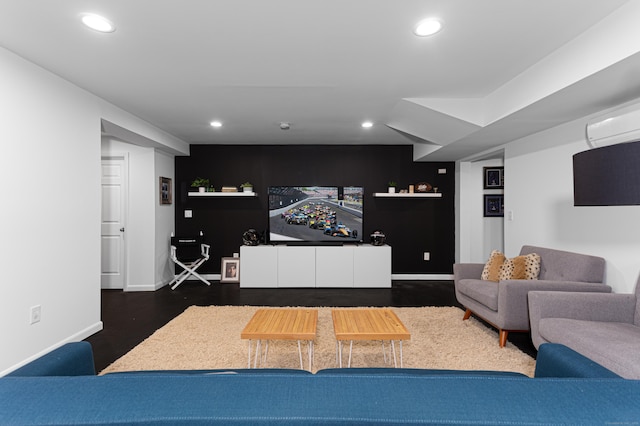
525 267
491 270
499 267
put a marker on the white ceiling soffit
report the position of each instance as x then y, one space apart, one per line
499 70
615 85
597 70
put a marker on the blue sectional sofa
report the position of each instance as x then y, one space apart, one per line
62 388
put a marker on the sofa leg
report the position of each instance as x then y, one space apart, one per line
467 315
503 337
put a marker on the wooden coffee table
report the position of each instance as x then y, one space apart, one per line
281 324
368 324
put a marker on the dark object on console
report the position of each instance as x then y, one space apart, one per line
378 238
607 176
250 237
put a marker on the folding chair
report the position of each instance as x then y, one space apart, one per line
189 253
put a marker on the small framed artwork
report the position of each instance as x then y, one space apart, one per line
493 177
230 270
494 205
165 191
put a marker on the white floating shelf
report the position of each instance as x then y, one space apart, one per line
408 195
223 194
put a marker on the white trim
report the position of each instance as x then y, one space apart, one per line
425 277
77 337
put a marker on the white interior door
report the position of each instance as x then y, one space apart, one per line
113 222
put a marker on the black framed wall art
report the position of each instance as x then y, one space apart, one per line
494 205
493 177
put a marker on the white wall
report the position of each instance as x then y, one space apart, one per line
478 235
50 169
165 220
539 192
149 224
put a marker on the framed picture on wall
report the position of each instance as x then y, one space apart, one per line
230 270
494 205
493 177
165 191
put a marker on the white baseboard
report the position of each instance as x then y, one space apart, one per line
76 337
425 277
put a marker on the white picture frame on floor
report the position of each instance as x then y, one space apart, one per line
230 270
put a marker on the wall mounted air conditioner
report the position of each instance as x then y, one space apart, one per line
621 125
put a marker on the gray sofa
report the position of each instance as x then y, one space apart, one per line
504 304
602 327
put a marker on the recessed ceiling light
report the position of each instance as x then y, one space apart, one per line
427 27
367 124
98 23
216 123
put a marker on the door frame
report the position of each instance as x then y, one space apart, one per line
124 156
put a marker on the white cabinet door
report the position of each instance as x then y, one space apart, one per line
372 266
296 266
334 266
259 266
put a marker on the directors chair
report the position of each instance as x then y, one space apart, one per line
189 253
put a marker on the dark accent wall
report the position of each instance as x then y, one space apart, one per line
412 226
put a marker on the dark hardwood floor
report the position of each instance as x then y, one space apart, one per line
129 318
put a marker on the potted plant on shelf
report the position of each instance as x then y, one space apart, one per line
392 187
247 187
200 183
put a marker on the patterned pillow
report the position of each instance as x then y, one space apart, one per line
491 270
525 267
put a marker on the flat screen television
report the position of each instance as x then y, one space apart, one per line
315 214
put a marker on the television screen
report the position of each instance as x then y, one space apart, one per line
315 214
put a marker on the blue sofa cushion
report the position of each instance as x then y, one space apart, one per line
555 360
418 372
230 371
285 399
71 359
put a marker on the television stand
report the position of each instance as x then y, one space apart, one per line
284 266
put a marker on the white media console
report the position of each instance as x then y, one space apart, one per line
281 266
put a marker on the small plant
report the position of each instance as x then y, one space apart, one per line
200 182
247 185
392 184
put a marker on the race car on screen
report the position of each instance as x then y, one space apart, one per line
297 219
340 231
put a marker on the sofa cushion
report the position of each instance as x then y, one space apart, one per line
556 360
559 265
70 359
483 291
614 345
525 267
491 270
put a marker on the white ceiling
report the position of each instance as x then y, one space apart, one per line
500 69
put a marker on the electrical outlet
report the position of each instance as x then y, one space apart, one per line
427 255
188 214
36 314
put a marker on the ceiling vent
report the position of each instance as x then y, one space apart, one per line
621 125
